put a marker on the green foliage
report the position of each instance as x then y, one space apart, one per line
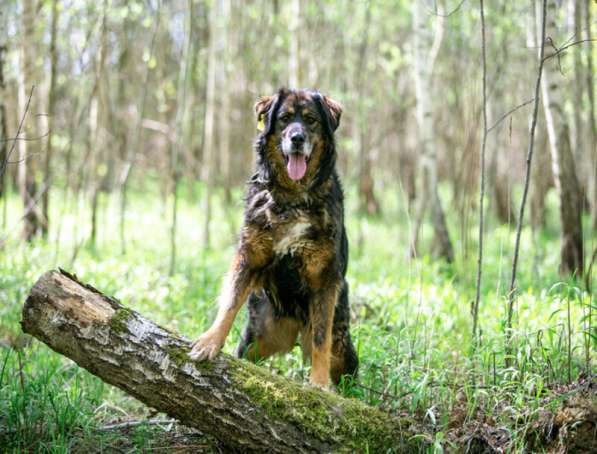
411 321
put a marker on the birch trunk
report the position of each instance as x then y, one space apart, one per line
245 407
428 194
592 123
563 167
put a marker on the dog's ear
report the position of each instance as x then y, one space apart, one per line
266 109
262 108
333 110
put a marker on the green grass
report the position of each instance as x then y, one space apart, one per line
411 324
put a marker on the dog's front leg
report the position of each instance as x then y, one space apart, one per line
235 291
321 314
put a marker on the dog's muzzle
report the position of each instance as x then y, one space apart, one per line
297 150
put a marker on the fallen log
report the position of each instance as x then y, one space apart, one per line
243 406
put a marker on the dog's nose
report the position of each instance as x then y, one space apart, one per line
298 138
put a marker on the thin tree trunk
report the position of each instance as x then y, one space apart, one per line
3 122
428 194
28 149
527 180
136 142
294 64
95 151
481 179
592 120
180 123
92 152
245 407
51 119
224 121
207 169
562 159
367 201
541 179
578 144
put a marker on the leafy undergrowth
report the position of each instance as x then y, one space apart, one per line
411 326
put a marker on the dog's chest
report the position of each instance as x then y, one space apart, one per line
290 231
293 235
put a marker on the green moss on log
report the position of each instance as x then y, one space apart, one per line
325 415
179 355
119 321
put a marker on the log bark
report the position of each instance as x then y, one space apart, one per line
244 406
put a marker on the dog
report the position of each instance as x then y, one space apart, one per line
290 263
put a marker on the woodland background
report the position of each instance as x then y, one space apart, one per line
126 133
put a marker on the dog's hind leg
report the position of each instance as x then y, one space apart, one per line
344 357
265 334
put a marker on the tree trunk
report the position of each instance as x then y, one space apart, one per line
294 59
500 186
136 141
208 164
28 149
224 120
592 123
96 151
180 125
245 407
564 170
368 203
424 56
541 179
51 120
3 121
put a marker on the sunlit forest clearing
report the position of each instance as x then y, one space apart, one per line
126 140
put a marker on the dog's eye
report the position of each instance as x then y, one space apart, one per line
311 120
285 118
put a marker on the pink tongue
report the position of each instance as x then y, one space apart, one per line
297 166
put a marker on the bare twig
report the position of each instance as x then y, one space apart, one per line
563 48
455 10
507 114
482 182
25 139
511 292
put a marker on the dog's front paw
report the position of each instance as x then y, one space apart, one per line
322 387
207 346
321 383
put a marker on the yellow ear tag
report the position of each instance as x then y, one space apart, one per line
261 123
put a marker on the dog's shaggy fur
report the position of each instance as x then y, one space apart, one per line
293 253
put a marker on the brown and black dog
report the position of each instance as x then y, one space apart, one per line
293 252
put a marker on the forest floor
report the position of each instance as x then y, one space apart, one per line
411 325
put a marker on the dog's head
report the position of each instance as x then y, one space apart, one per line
297 135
